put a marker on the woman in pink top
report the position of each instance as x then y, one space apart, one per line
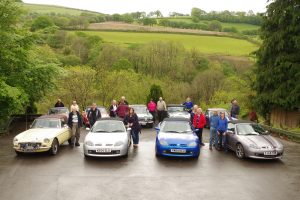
152 108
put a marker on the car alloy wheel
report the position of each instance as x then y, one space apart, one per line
54 147
240 153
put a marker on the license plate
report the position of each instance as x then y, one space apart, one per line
178 150
143 123
270 153
103 150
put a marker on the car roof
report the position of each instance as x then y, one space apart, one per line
58 108
241 122
175 105
176 119
56 116
216 109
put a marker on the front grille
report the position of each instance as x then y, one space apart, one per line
98 145
114 152
178 145
34 145
186 153
109 145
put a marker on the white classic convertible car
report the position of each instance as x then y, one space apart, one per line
46 134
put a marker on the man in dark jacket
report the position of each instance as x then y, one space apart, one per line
122 109
59 103
235 109
94 114
75 123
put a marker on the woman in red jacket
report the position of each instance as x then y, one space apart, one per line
199 122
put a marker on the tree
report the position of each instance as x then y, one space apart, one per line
78 84
278 62
41 22
155 93
196 14
24 77
215 26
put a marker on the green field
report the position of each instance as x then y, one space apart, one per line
44 9
239 26
206 44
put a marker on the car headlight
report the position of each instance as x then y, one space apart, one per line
119 143
89 143
163 143
46 140
192 144
254 146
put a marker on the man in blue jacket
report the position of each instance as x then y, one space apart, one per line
188 104
222 129
213 120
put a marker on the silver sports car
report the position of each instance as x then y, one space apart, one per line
107 138
249 139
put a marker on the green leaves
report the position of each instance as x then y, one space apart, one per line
278 61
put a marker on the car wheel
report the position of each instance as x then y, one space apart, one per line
54 147
70 141
150 125
240 153
86 156
19 153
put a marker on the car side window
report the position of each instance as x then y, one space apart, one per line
231 127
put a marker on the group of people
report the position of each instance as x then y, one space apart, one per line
88 119
218 121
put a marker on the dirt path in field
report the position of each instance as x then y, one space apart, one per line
118 26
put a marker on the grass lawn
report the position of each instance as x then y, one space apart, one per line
206 44
239 26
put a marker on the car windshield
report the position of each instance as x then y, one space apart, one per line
54 111
176 109
176 127
46 123
140 109
108 127
250 129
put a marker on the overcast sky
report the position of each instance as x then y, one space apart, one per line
165 6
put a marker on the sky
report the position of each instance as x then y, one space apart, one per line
165 6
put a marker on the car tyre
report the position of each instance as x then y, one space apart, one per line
69 141
86 156
54 147
240 152
19 153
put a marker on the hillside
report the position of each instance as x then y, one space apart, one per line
204 43
239 26
119 26
43 9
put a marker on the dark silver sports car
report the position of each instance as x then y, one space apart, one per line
248 139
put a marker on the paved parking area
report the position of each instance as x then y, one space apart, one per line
215 175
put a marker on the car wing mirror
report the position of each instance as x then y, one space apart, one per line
230 131
128 129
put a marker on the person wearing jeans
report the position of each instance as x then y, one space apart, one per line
75 123
131 121
199 122
222 129
213 120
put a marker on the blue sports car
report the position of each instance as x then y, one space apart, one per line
175 138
